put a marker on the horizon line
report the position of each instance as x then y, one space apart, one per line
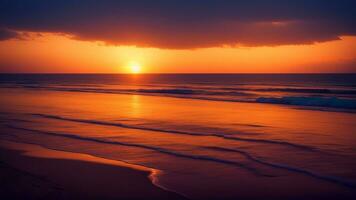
197 73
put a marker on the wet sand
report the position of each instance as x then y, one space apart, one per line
33 172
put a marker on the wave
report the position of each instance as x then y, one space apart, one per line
295 90
121 125
228 94
191 89
311 90
169 91
200 94
151 91
142 146
331 102
337 180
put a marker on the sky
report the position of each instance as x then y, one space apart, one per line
178 36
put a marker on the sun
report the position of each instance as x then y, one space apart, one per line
135 68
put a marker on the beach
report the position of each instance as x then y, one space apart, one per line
32 172
159 137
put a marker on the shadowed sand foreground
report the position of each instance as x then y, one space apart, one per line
32 172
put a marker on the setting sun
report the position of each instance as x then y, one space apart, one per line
135 68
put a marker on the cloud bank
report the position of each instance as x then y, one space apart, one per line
180 24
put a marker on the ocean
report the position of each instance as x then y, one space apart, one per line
210 135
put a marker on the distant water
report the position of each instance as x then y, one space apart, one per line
246 136
312 90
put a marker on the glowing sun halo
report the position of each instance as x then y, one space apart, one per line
135 68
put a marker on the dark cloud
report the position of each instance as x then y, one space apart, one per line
185 23
7 34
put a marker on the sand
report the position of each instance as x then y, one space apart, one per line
32 172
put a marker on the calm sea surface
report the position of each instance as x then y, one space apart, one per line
212 136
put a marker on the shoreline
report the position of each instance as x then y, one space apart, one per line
32 172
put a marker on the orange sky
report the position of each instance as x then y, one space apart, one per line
55 53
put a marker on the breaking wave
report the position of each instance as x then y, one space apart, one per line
309 97
331 102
